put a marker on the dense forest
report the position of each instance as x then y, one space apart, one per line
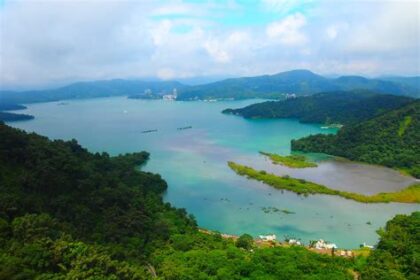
11 106
8 117
66 213
397 253
391 139
327 108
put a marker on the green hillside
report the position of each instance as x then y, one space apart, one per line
391 139
90 89
267 86
326 108
10 117
298 82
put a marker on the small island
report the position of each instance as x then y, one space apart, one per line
11 107
292 161
10 117
410 194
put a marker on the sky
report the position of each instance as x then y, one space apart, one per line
44 43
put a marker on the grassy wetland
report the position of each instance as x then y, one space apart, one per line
410 194
292 161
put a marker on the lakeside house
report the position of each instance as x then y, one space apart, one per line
290 95
171 97
346 253
294 242
364 245
270 237
321 244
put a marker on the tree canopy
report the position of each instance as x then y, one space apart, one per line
391 139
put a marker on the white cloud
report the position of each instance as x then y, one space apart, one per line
396 27
332 32
288 31
216 51
43 41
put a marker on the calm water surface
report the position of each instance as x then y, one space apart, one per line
193 162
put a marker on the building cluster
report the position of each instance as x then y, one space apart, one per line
364 245
171 97
294 242
270 237
290 95
321 244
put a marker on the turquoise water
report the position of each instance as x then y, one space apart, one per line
193 162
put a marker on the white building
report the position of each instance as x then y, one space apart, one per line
290 95
271 237
364 245
294 242
321 244
172 96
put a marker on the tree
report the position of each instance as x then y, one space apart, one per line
245 241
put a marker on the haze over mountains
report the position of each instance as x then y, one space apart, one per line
299 82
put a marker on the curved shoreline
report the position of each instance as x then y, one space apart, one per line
411 194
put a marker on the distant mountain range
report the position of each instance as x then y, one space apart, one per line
299 82
90 90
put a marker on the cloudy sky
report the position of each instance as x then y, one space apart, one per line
50 42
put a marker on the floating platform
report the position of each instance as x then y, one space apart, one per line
149 131
185 127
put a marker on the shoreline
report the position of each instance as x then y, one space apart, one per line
259 243
410 194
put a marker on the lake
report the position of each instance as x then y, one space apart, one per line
194 163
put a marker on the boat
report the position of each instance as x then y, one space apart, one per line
149 131
185 127
335 125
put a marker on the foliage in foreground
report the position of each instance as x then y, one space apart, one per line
410 194
397 255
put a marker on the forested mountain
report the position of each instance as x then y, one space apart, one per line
397 253
8 117
329 107
90 90
391 139
267 86
11 106
382 86
412 82
299 82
